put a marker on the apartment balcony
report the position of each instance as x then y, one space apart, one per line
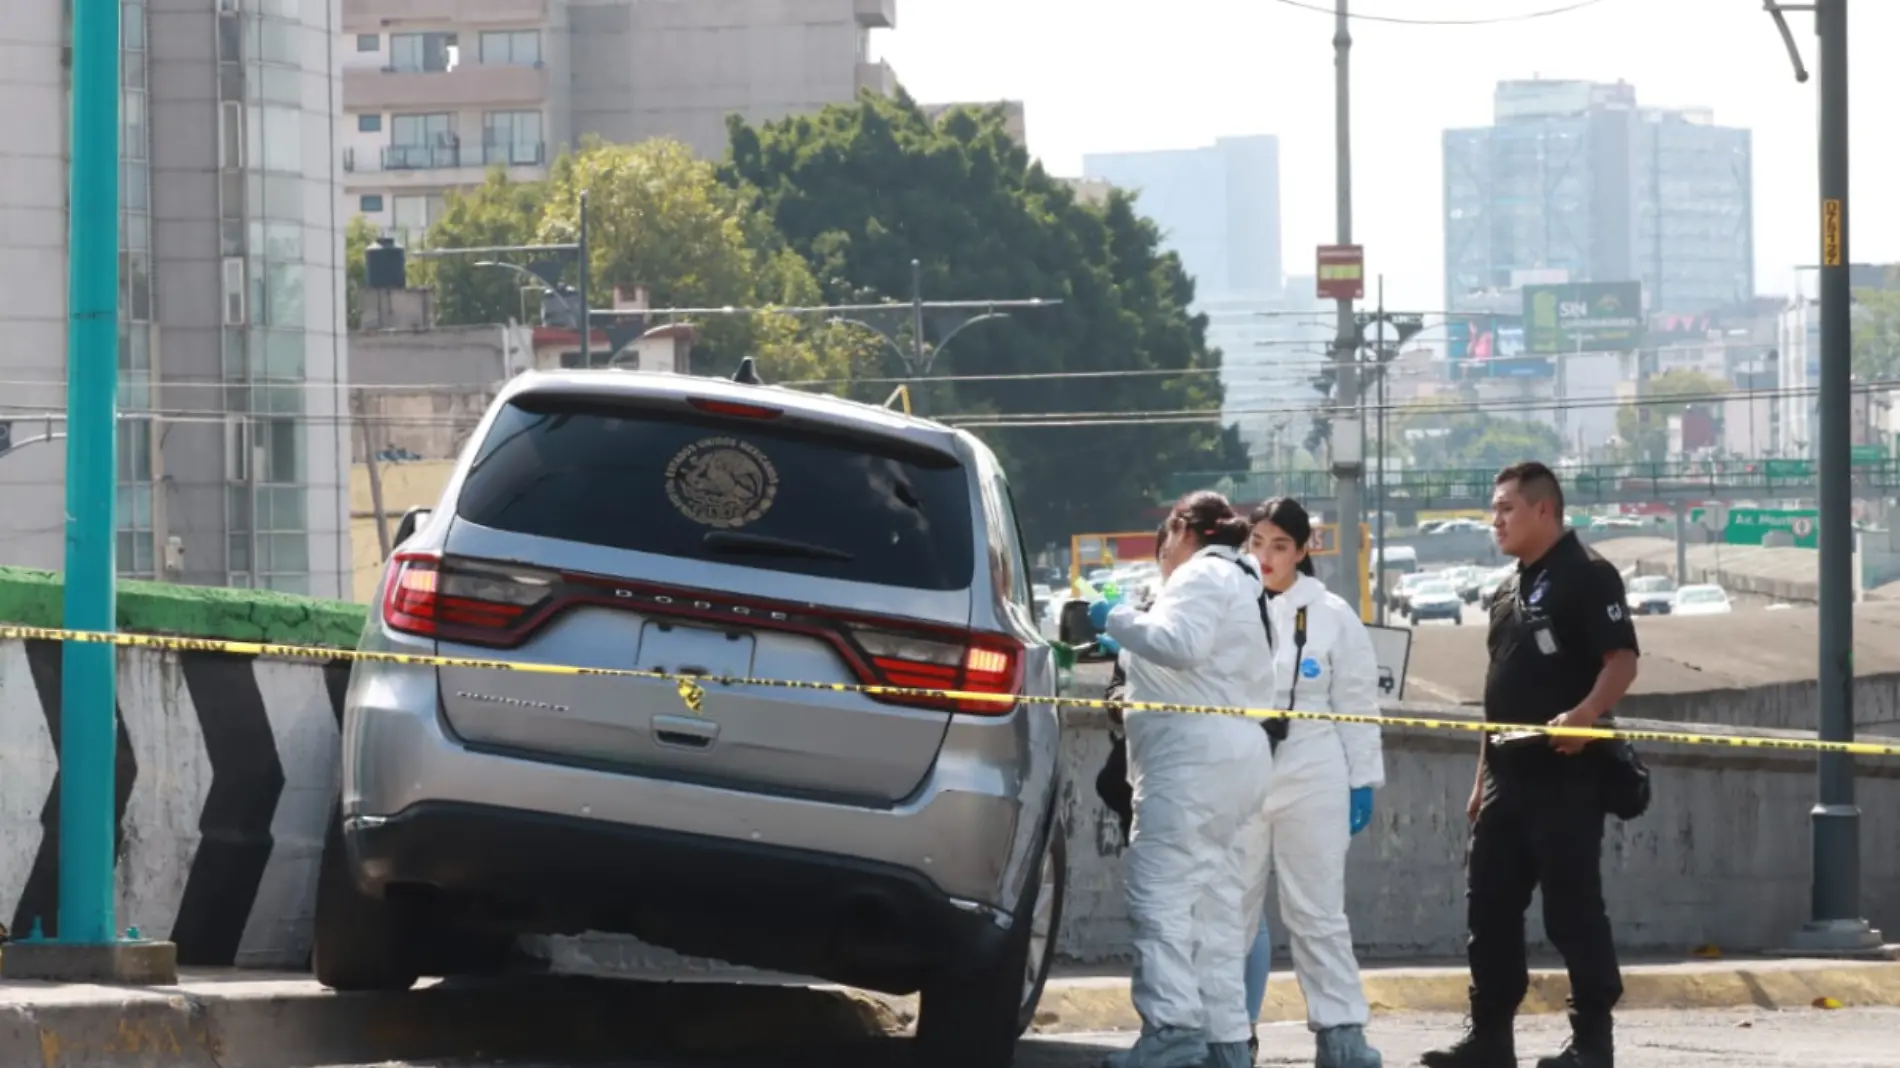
472 86
872 14
372 16
400 167
878 77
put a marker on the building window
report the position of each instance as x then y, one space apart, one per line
368 42
413 215
370 204
420 142
369 123
511 138
234 291
518 48
422 53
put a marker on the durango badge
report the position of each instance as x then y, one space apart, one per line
721 482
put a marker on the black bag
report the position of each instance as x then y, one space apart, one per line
1111 785
1626 789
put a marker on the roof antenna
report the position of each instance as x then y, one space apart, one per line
748 373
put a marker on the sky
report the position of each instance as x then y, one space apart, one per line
1132 75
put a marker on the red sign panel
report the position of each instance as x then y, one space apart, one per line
1342 272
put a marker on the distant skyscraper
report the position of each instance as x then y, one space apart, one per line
1575 176
1219 210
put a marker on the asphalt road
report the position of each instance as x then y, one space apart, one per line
1847 1038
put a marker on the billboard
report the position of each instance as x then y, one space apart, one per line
1492 346
1583 317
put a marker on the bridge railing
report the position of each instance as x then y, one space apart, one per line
1593 484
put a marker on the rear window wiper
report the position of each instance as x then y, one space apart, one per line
726 541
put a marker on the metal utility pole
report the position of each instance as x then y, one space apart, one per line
1835 925
1348 462
1378 520
919 363
587 312
89 672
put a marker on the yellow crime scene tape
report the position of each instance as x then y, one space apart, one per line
692 691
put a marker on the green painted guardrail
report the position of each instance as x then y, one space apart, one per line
35 598
1582 485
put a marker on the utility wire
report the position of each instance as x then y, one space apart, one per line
1400 20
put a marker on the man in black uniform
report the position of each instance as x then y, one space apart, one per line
1563 652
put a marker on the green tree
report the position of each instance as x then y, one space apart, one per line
357 236
499 212
1877 334
1644 426
1474 440
861 190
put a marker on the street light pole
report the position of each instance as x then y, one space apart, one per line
1378 520
587 313
1835 926
1349 469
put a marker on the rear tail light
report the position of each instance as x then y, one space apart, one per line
979 663
734 409
481 604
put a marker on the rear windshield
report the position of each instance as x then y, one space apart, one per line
727 491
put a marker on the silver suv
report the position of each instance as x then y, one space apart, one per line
611 519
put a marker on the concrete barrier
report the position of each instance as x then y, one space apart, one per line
227 771
1720 859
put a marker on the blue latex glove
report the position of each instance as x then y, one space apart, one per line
1108 645
1098 612
1361 812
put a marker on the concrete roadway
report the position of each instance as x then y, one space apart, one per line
1847 1038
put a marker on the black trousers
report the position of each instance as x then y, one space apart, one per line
1540 826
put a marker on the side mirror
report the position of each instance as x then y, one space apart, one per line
406 529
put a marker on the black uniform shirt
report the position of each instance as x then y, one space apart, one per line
1551 626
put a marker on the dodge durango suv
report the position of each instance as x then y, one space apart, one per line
688 526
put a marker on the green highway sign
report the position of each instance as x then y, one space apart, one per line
1748 526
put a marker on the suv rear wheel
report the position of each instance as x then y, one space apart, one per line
971 1016
360 942
382 944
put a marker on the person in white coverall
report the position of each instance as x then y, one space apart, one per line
1197 854
1324 775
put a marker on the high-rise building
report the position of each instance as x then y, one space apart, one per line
1574 176
436 92
1218 208
231 294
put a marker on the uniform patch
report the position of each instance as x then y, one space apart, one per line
1309 668
722 482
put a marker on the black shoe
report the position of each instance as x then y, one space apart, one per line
1491 1045
1574 1055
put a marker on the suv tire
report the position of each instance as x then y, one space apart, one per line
973 1013
360 943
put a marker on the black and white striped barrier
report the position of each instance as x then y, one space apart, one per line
227 774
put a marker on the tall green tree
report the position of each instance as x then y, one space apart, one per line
1877 334
657 217
861 190
1644 426
1441 439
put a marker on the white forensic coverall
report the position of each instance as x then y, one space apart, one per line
1314 771
1197 857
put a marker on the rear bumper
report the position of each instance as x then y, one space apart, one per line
1451 611
564 847
834 917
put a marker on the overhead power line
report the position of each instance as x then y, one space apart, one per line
1401 20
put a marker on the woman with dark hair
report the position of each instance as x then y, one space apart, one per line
1197 854
1324 775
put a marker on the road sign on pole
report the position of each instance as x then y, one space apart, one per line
1342 272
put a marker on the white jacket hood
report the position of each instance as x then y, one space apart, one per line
1336 671
1201 643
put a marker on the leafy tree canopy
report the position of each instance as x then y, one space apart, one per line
1877 334
1644 427
657 217
861 190
1475 440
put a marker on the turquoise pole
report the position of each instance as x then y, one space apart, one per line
88 683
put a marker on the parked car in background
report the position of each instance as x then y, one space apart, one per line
1435 599
1701 601
1402 589
1651 595
1488 590
689 526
